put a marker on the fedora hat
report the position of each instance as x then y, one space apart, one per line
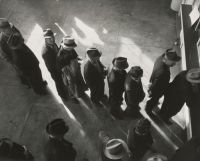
170 54
48 33
115 149
68 41
120 63
93 52
57 127
4 23
136 71
193 75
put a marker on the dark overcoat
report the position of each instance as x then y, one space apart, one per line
160 77
71 72
59 150
178 93
134 93
137 143
95 80
116 80
49 55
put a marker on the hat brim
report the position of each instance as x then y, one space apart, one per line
69 45
189 74
119 156
121 68
46 37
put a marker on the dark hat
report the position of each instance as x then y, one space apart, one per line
48 33
115 149
93 52
68 41
136 71
57 127
143 125
120 63
4 23
172 55
193 75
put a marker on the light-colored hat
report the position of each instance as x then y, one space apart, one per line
157 157
193 75
4 23
115 149
68 41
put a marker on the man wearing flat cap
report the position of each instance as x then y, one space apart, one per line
68 63
57 148
116 78
21 57
134 93
49 55
94 74
160 77
180 91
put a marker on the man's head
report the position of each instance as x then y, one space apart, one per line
171 57
49 36
4 24
120 63
93 54
136 73
68 43
57 128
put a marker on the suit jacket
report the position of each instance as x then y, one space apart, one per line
49 54
56 150
134 92
160 77
92 75
116 81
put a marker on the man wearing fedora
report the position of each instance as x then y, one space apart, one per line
68 62
21 57
49 55
113 149
94 74
160 78
116 78
180 91
57 148
134 93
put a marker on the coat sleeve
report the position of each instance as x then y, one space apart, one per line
88 74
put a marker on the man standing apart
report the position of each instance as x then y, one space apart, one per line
160 77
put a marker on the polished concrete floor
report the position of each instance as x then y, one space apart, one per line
140 30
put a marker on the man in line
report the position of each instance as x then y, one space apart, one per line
94 74
160 78
116 78
21 57
183 89
68 63
134 93
49 54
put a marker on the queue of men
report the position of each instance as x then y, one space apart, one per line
64 65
